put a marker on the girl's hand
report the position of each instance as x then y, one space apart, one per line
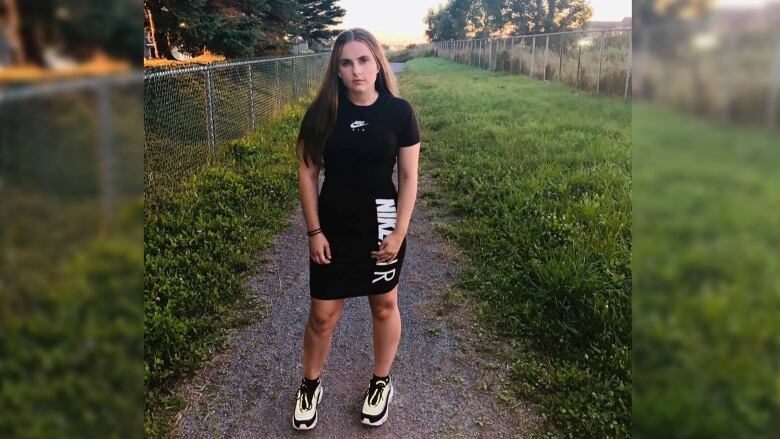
389 247
319 249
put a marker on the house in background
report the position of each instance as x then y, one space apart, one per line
611 27
299 45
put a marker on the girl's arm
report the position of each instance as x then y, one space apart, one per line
308 185
408 157
407 194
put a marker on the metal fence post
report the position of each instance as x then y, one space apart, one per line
579 57
210 114
643 52
728 90
106 156
490 54
294 79
278 89
494 54
560 60
601 58
251 99
522 53
546 49
479 54
629 61
306 74
533 55
774 89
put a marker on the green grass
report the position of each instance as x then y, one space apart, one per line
199 247
70 335
536 180
706 270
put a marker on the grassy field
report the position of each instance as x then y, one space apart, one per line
536 179
706 270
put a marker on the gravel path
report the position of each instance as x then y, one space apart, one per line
397 67
444 386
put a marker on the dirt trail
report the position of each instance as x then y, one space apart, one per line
444 386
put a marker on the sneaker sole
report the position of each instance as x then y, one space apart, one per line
316 418
384 418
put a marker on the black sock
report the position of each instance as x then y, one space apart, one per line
381 378
311 384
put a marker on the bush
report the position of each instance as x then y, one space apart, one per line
70 338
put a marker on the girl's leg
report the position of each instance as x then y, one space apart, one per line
323 317
386 321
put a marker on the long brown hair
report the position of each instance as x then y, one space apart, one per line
320 117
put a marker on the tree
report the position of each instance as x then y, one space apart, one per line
527 17
431 21
648 12
458 11
233 28
80 28
448 22
314 18
486 18
12 34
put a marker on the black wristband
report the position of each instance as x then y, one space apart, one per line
314 232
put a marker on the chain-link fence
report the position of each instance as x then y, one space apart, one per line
71 143
729 74
188 112
598 60
71 255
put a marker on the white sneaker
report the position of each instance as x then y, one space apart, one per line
376 402
305 417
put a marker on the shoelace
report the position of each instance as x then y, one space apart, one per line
375 391
303 396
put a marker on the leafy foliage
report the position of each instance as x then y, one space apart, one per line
70 333
315 17
459 19
234 28
79 28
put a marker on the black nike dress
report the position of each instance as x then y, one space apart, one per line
357 203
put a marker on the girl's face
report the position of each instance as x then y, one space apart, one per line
357 67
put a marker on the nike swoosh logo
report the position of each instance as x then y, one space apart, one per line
358 124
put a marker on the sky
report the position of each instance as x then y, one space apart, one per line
401 21
742 3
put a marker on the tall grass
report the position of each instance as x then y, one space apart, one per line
537 180
70 339
572 59
706 270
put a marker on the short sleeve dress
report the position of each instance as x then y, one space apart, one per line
358 199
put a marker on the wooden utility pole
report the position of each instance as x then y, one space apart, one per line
152 30
12 31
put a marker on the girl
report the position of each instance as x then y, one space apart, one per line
356 128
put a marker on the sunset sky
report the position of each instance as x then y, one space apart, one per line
401 21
